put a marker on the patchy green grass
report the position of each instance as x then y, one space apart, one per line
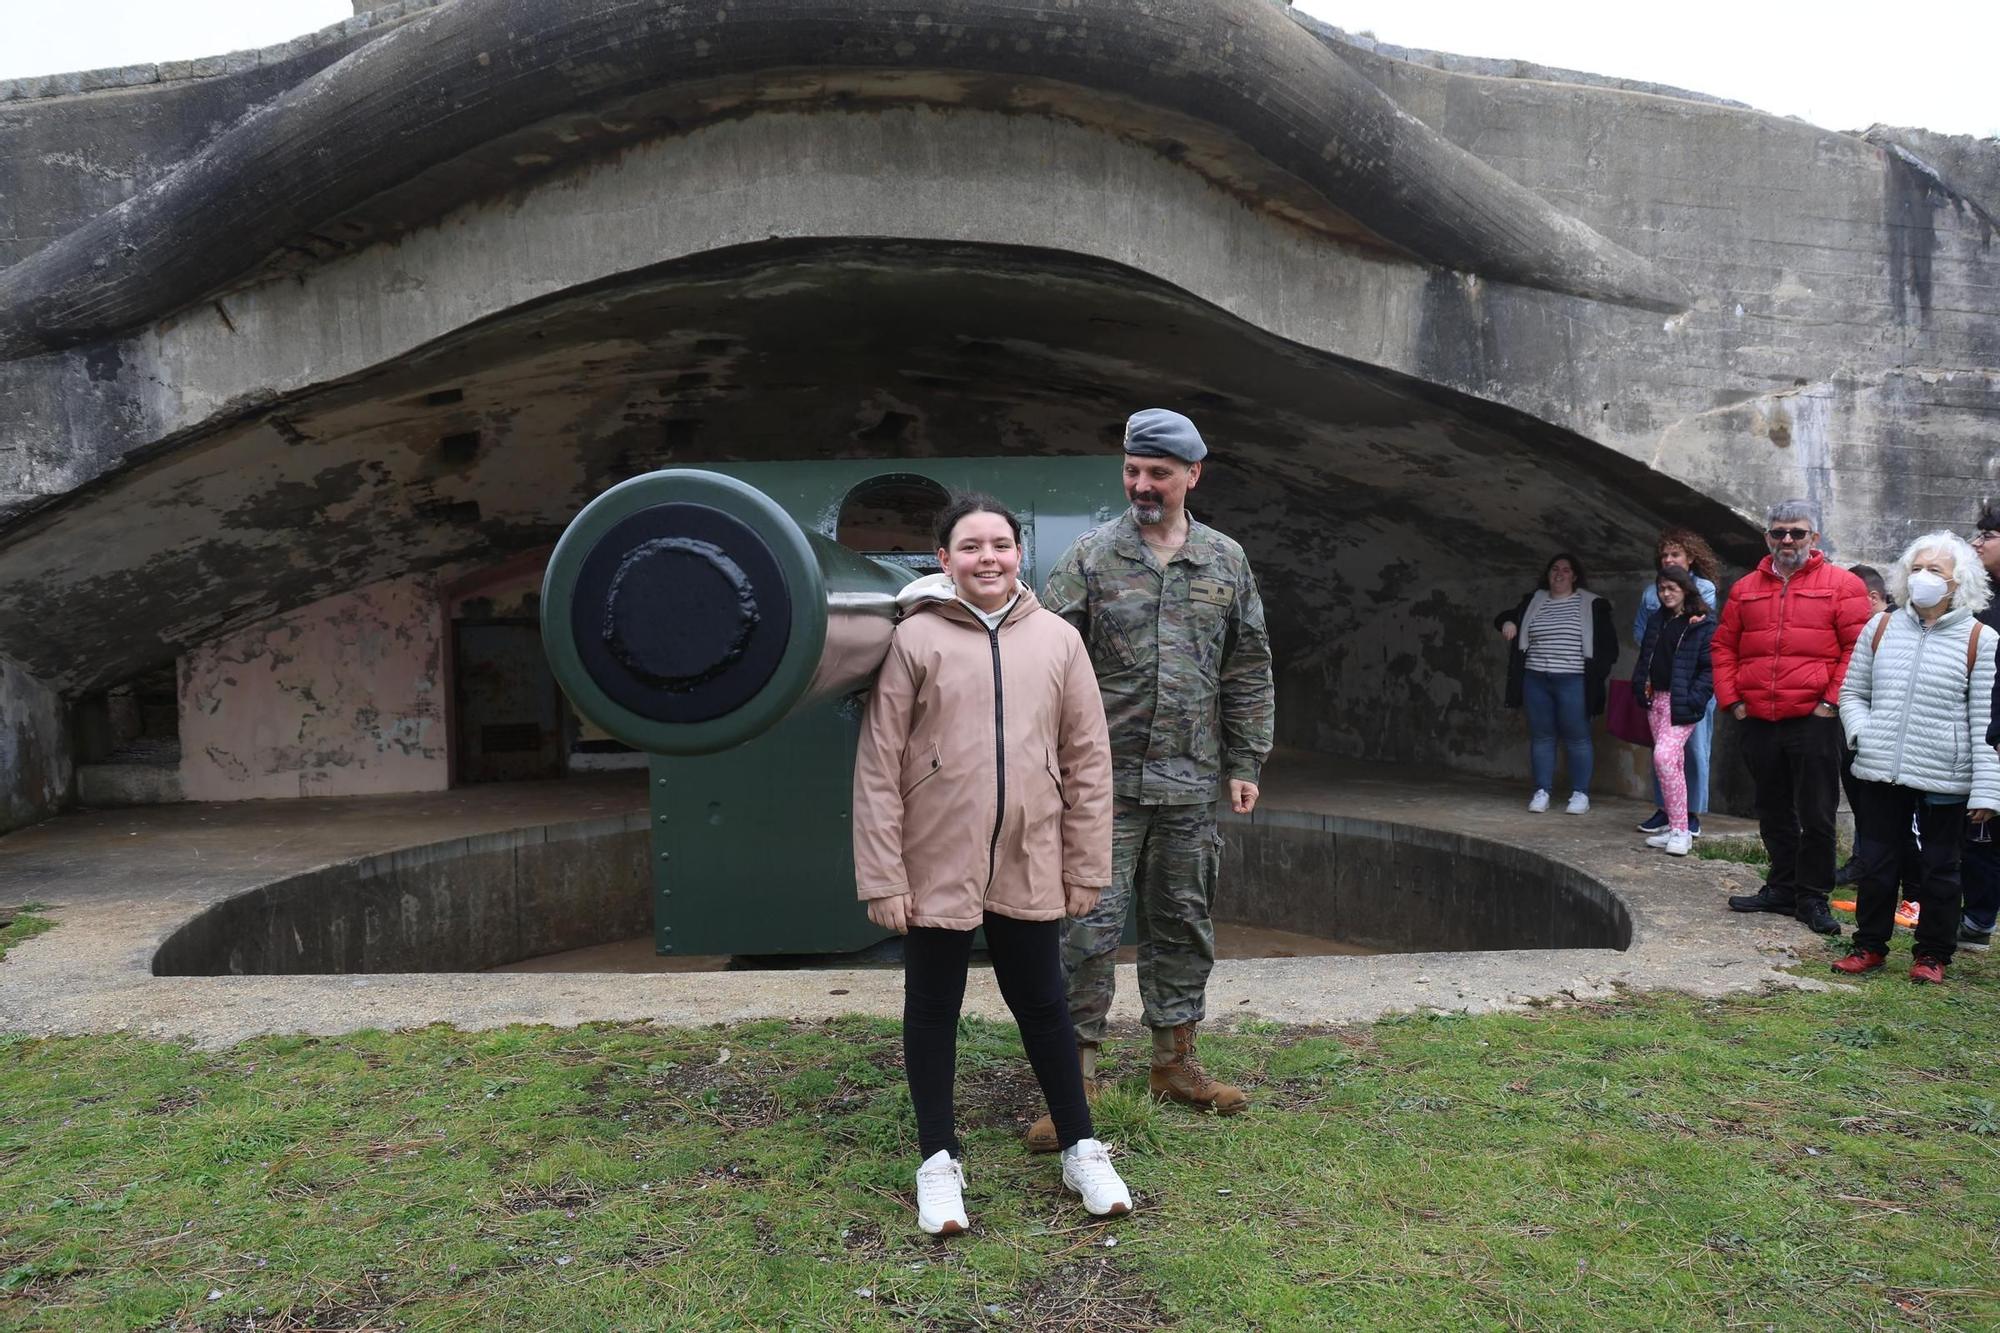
1791 1161
22 924
1747 851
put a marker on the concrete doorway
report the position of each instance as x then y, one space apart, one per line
510 717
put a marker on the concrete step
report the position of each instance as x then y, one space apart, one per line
115 784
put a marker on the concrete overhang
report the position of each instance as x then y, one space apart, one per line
481 96
1343 477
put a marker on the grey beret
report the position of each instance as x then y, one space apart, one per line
1158 433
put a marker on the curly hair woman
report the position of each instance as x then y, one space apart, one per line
1683 549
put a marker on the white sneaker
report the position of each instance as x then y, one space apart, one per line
1087 1170
941 1195
1659 839
1679 844
1538 802
1579 804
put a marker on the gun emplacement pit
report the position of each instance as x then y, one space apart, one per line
561 892
1462 902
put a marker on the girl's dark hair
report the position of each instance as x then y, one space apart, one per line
1576 567
1692 603
972 502
1701 556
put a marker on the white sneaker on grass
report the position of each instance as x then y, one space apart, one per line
1087 1171
941 1195
1538 802
1579 804
1679 844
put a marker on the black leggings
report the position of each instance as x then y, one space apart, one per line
1027 964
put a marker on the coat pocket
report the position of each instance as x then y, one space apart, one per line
1110 643
922 769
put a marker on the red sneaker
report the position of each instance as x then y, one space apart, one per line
1926 970
1861 960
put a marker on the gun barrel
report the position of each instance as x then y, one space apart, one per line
686 612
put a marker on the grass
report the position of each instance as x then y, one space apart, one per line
22 924
1788 1161
1750 850
1747 851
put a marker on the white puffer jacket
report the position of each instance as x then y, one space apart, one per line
1911 714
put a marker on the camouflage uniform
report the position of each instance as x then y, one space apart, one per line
1184 666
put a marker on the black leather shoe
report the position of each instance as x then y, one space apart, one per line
1813 912
1764 900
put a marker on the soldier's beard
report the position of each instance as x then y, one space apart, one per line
1148 512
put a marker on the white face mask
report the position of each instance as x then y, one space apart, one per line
1927 589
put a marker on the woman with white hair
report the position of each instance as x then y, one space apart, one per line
1915 706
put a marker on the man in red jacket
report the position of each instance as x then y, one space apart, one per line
1780 654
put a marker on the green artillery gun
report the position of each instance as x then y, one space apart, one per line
728 621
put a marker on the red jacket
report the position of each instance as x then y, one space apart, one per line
1783 644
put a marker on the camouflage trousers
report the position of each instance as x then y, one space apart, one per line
1166 857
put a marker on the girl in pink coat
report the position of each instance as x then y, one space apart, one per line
982 798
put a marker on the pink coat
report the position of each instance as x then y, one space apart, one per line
961 820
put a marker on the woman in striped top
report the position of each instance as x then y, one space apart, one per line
1564 644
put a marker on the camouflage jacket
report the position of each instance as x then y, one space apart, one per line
1181 656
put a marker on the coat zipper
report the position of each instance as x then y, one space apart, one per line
1909 700
1784 599
999 760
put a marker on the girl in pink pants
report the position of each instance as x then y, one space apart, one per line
1674 681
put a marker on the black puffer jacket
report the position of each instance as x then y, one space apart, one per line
1694 673
1990 617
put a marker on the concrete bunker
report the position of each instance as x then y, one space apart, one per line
1388 516
473 904
887 232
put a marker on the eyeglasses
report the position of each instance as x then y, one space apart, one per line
1983 536
1788 534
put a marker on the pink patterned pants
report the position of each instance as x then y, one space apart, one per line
1670 760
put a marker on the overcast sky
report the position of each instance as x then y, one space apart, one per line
1841 64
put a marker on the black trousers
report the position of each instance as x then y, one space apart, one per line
1910 866
1881 812
1795 765
1027 964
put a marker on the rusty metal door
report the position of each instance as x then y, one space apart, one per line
510 716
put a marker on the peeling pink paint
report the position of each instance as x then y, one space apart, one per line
344 697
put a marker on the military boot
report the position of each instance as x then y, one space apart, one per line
1178 1076
1041 1135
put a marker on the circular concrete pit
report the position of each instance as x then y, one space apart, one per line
479 903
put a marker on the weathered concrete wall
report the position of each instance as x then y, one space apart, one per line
1400 888
74 145
1788 234
35 765
462 384
1964 165
509 591
459 906
953 175
341 698
1846 332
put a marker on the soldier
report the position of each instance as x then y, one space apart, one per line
1169 610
